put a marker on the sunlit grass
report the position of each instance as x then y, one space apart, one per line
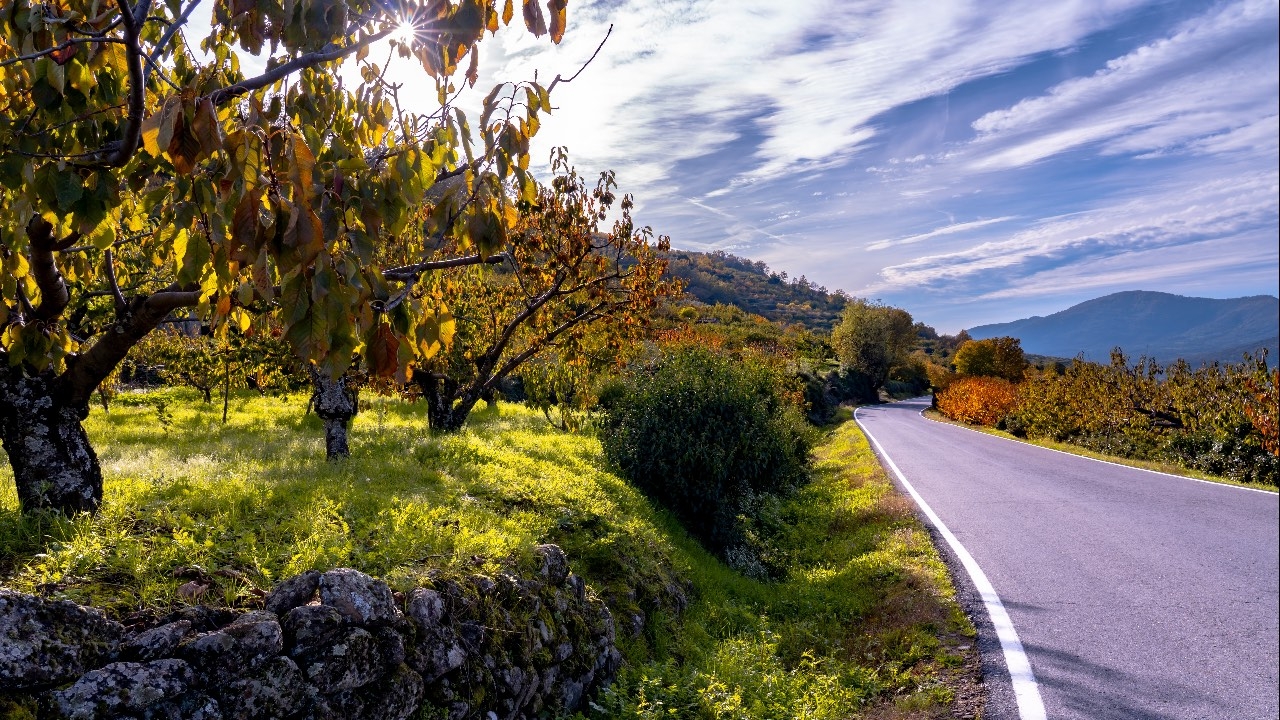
865 617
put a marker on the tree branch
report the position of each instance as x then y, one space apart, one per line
302 62
122 307
132 134
78 382
559 79
154 58
44 269
539 344
411 272
58 48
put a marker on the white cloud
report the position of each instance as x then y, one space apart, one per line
944 230
1184 211
1211 77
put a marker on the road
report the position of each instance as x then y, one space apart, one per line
1134 594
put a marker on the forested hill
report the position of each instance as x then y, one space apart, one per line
719 277
1155 324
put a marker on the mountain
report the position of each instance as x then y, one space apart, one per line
719 277
1154 324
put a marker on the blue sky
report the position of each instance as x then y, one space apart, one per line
971 162
968 160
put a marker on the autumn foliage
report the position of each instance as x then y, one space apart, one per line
978 400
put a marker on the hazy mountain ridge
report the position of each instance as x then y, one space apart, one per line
1155 324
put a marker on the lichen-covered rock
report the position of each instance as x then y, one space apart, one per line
241 647
122 687
397 697
44 643
439 650
364 600
276 691
293 592
190 706
311 627
555 565
156 643
352 662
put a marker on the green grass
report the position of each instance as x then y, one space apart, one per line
864 624
1162 466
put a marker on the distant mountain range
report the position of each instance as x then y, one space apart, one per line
1154 324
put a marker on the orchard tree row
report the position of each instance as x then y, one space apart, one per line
142 186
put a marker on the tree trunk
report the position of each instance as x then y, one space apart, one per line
335 401
440 392
54 465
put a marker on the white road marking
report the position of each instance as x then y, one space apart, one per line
1025 689
1105 462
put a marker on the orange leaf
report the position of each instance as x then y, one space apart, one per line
383 353
62 56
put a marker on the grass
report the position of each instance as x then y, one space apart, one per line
1161 466
864 624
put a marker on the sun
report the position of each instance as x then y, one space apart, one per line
405 31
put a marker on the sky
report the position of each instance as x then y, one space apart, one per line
967 160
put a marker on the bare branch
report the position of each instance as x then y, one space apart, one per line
329 53
411 272
132 134
559 79
537 345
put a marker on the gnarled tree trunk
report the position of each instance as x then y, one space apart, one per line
336 402
53 463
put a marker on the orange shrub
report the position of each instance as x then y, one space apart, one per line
978 400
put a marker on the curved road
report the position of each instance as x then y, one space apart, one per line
1134 594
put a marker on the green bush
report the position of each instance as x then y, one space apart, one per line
706 437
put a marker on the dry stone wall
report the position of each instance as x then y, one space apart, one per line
327 646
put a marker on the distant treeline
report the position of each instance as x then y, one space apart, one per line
722 278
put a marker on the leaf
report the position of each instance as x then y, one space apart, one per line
244 224
557 10
68 188
533 19
507 12
206 129
301 165
195 257
383 351
473 70
435 332
62 56
183 148
305 234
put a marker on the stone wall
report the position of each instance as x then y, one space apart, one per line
327 646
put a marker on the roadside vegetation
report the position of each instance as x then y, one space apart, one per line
1219 420
862 618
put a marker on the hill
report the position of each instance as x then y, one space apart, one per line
719 277
1154 324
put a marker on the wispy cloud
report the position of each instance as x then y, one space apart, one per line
944 230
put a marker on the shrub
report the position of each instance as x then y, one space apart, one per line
978 400
706 436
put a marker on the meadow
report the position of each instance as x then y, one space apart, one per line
864 623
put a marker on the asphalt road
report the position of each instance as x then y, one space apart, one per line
1134 594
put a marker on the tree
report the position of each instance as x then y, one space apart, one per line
871 338
1000 357
136 182
562 277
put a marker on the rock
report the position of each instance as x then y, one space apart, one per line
276 691
44 643
155 643
191 706
391 645
362 599
438 648
123 687
311 627
239 648
293 592
352 662
396 697
555 565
